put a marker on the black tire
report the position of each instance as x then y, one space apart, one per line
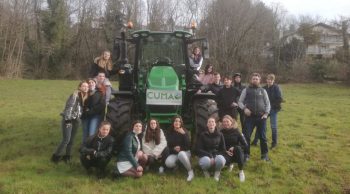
119 114
203 109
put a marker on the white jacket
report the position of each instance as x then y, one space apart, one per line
151 148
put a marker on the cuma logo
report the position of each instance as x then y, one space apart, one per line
164 97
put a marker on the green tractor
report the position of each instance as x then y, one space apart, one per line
158 82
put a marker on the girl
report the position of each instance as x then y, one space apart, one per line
235 144
70 122
179 147
210 149
154 144
97 150
208 77
130 156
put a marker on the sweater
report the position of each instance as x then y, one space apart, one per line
210 144
150 148
175 138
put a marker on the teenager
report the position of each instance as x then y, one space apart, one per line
210 148
227 99
97 150
179 147
70 122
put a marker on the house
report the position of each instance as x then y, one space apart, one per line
330 39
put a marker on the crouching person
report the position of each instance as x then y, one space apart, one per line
131 157
210 149
154 145
235 144
179 147
97 150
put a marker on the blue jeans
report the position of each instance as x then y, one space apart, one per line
204 162
250 123
90 126
273 125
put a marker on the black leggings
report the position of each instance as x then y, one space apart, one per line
100 163
155 162
238 157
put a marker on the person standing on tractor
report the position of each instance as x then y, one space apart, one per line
70 122
154 144
227 99
97 150
237 83
210 148
255 103
196 59
103 63
104 86
179 147
208 76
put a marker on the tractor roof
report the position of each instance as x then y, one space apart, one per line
146 33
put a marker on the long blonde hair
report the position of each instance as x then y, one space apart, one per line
105 64
233 121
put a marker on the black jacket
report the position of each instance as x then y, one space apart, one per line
226 97
233 137
95 69
215 88
239 87
275 96
175 138
102 146
95 105
210 144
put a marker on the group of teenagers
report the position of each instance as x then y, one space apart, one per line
149 147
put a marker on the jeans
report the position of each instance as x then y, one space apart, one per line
182 156
250 123
90 126
219 161
68 133
238 157
273 125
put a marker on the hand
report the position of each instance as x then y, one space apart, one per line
139 169
264 116
121 71
88 157
247 112
199 91
234 104
177 148
229 153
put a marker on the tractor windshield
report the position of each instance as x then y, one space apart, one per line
162 47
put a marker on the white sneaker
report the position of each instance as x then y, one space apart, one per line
190 175
241 176
230 167
206 174
161 170
217 175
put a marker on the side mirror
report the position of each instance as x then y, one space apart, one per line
205 49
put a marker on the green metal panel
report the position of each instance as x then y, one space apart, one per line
163 78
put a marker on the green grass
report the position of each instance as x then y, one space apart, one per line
313 155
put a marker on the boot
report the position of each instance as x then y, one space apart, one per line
190 175
55 158
66 158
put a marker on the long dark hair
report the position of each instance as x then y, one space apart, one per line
173 120
206 69
134 123
153 134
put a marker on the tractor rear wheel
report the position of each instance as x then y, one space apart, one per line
119 114
203 109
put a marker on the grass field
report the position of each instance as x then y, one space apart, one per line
313 155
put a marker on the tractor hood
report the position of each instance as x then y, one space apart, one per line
163 78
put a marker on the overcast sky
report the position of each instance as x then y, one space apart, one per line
327 9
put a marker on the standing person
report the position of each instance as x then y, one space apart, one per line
217 85
275 97
104 85
208 77
237 83
256 105
196 59
179 147
154 144
94 110
131 157
210 149
228 99
235 144
104 64
97 150
70 122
